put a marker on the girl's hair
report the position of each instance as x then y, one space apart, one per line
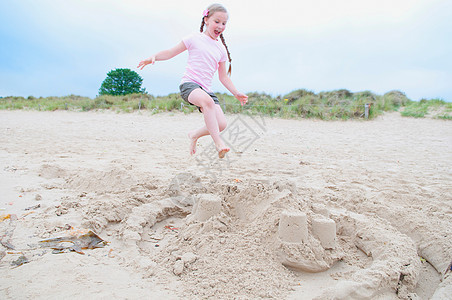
213 8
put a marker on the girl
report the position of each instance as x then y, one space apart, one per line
206 55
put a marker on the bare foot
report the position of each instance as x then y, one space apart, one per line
193 141
222 151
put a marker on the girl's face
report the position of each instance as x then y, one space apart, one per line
216 24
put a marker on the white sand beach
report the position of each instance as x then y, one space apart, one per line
385 185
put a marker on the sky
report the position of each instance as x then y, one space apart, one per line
59 48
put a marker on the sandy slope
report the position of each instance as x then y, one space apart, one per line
386 183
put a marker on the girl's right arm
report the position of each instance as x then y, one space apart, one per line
163 55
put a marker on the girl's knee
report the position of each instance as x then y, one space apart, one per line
209 104
206 104
222 124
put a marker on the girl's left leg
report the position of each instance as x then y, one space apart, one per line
196 134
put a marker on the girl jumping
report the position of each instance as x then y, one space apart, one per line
206 55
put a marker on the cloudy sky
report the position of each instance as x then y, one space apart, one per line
57 48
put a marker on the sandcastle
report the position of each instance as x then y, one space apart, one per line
293 228
206 206
307 248
325 230
302 237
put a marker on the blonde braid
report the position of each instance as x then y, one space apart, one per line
202 25
229 54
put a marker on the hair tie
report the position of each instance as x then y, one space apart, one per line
205 13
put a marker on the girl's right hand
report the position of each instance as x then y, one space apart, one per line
144 63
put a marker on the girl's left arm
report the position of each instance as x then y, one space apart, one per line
227 82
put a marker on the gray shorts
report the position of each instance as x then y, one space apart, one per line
187 87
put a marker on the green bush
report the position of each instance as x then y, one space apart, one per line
121 82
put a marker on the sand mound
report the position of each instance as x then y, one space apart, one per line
114 180
231 245
51 171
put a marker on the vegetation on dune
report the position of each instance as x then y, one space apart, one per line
331 105
435 108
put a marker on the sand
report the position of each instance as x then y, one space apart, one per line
298 209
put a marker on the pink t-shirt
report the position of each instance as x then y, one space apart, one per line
204 54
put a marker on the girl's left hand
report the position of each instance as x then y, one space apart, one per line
242 98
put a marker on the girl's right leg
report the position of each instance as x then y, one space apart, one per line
203 131
212 118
